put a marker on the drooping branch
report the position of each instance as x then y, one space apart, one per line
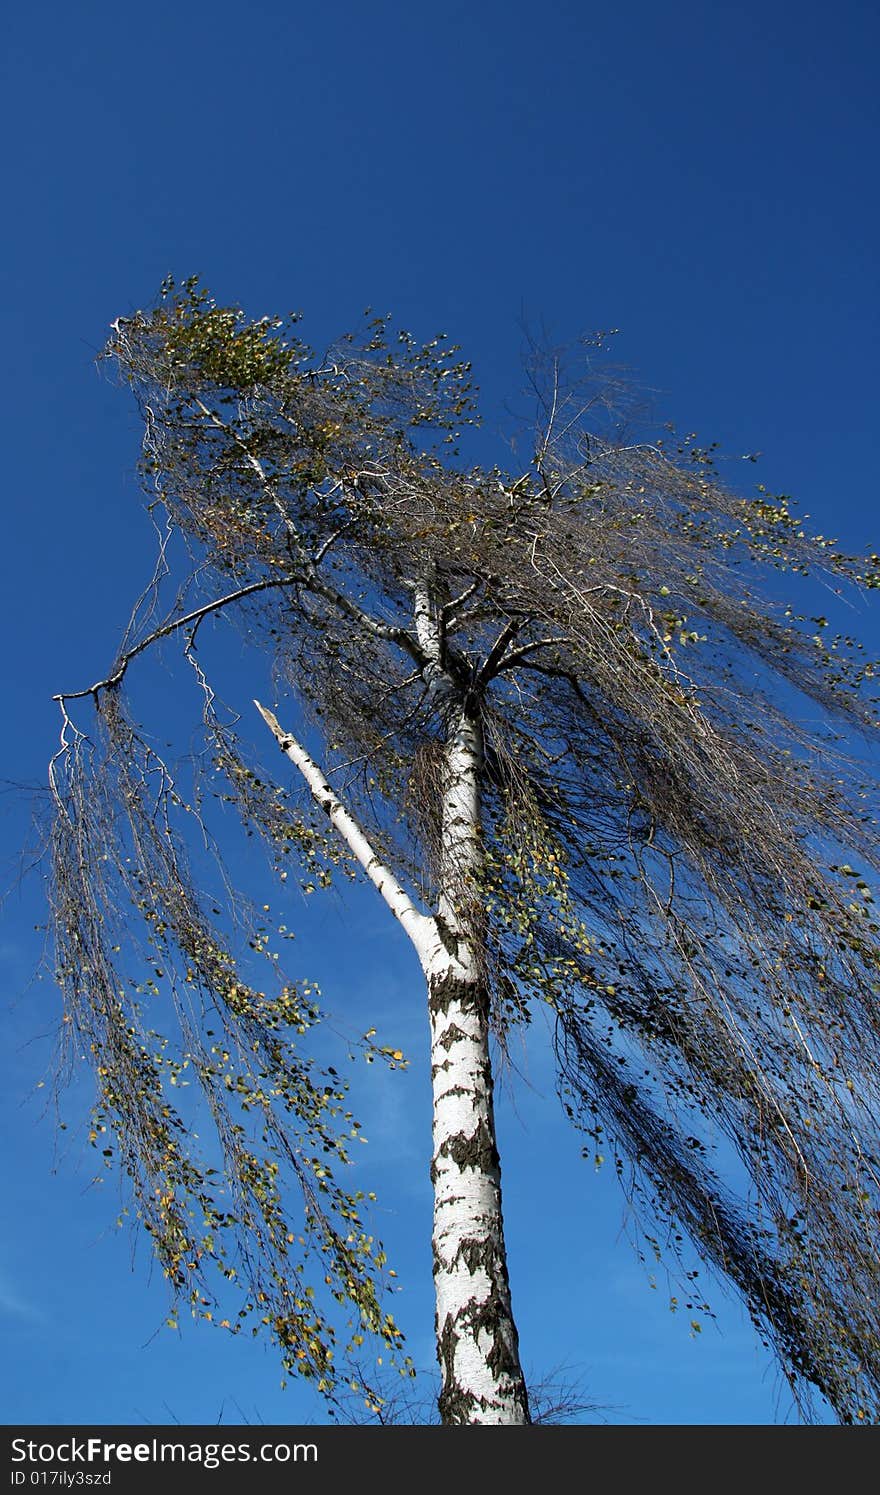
280 1123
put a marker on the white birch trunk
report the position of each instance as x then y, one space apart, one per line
477 1344
482 1380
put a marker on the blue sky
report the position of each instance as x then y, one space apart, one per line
699 176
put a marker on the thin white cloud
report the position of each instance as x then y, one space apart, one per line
14 1305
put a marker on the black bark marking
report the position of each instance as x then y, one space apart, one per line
492 1316
447 938
476 1150
452 1035
476 1254
448 989
454 1403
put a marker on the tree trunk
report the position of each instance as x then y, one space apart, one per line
477 1343
482 1380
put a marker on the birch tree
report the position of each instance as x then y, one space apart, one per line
560 728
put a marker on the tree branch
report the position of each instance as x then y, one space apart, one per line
420 927
517 656
494 659
391 632
171 627
375 626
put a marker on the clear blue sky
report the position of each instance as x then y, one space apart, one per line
702 177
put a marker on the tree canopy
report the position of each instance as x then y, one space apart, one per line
676 834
